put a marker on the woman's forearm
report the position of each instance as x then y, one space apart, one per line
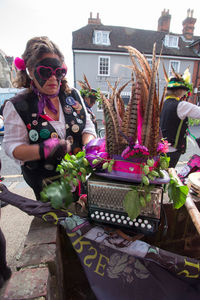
26 152
87 137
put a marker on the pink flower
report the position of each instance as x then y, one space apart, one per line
163 146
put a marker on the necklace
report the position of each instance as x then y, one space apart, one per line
173 97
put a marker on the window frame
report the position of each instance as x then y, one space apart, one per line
168 43
99 63
98 37
170 63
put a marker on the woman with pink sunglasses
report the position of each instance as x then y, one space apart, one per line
48 118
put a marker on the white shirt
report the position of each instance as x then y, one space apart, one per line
186 109
16 133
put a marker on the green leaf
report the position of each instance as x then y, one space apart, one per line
177 193
67 156
132 204
43 197
80 154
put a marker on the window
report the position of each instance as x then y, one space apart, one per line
126 97
101 37
176 66
171 41
104 66
149 62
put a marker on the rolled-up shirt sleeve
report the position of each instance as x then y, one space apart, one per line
15 132
186 109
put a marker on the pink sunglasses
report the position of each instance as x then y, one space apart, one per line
46 72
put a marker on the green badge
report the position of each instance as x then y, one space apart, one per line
44 133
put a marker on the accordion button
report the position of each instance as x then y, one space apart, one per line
124 222
130 223
119 221
136 224
146 222
122 217
140 220
149 226
142 225
113 219
92 215
96 212
108 218
111 215
134 220
102 218
128 219
97 216
101 213
117 216
106 214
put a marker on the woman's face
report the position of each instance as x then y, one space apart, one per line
47 74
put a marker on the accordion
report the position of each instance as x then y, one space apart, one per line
105 205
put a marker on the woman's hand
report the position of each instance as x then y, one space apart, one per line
42 150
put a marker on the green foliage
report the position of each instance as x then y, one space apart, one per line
72 169
136 199
192 122
177 193
58 193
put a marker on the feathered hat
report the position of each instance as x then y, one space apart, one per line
87 91
178 81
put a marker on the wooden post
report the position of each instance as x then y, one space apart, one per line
189 203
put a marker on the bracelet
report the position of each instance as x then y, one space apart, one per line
41 151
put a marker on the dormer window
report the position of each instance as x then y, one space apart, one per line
101 37
171 41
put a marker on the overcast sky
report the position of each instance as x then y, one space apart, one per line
21 20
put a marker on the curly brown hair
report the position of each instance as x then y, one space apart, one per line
35 48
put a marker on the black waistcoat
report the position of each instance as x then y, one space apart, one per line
172 127
40 129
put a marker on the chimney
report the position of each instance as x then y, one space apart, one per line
96 20
164 21
188 25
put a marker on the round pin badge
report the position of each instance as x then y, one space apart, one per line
79 121
54 135
44 133
67 109
70 100
70 139
75 128
35 122
75 105
74 114
33 135
44 123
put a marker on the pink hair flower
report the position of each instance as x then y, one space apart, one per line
19 63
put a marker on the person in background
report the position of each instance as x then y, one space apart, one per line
48 118
90 97
175 114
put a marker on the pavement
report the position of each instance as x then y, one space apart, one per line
14 222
